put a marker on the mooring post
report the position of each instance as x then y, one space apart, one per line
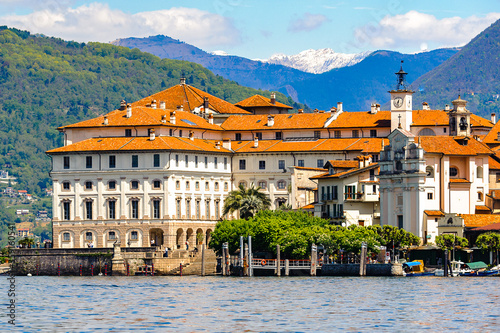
314 257
250 256
445 261
362 260
287 267
241 255
92 270
278 261
180 271
203 260
152 269
223 260
58 269
81 270
245 261
128 269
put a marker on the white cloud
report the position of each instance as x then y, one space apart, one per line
307 22
98 22
415 28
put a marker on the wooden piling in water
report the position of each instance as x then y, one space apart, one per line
278 261
287 267
314 257
362 261
203 260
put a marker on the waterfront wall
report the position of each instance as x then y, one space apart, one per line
353 270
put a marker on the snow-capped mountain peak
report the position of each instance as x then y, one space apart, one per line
317 61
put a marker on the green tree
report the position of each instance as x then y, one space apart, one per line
451 241
489 241
27 242
248 201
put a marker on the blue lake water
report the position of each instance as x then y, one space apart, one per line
257 304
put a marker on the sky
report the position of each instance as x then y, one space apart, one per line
257 29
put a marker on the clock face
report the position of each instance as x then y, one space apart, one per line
398 101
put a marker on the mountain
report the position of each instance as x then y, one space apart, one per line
317 61
250 73
474 72
366 82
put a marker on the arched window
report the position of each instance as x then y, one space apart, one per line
399 166
453 171
430 172
426 132
262 184
479 172
242 183
281 185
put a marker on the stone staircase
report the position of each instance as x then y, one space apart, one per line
194 267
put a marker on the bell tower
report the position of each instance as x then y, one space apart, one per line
401 102
459 118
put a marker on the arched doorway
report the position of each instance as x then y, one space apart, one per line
208 234
200 237
190 239
179 239
156 237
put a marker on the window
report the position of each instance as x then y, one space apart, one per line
156 209
196 161
429 196
355 133
88 210
281 164
88 185
480 172
242 183
320 163
170 132
372 174
258 135
112 161
430 172
180 133
156 160
134 185
88 236
279 135
373 133
262 184
498 177
135 161
134 235
128 132
197 207
226 186
262 165
300 163
111 235
66 186
178 207
375 158
444 130
207 208
188 208
453 172
66 210
134 206
317 134
400 222
225 163
66 162
156 184
66 237
111 209
207 186
215 162
350 192
399 166
479 196
217 209
88 162
281 185
197 186
187 186
216 186
111 185
206 162
186 160
400 200
243 164
237 136
337 134
176 160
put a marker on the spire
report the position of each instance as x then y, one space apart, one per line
401 85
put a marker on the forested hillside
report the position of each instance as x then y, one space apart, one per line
48 82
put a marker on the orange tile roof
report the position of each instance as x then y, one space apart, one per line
343 164
291 121
433 213
490 227
139 144
482 208
459 180
361 119
479 220
495 194
311 169
257 101
430 118
492 137
477 121
346 173
190 98
145 116
449 145
493 163
309 206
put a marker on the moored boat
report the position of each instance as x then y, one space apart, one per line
415 268
479 268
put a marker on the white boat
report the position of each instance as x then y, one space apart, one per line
456 269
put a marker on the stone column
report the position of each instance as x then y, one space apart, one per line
117 262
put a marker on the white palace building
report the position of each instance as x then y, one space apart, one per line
156 171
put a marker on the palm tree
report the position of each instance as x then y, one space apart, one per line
247 201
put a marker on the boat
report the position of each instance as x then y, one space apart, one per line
479 268
457 267
415 268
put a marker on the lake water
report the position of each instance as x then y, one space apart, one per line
257 304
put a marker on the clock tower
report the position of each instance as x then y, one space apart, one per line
401 102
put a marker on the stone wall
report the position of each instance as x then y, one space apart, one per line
353 270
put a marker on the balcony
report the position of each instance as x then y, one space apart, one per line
328 196
353 196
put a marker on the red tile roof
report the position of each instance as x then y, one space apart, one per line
483 209
346 173
190 98
458 180
433 213
343 164
140 144
257 101
449 145
291 121
479 220
490 227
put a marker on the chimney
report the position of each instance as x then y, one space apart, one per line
217 145
172 118
361 161
162 105
447 107
368 160
210 119
316 110
493 118
183 81
273 98
333 109
164 119
377 106
270 121
256 142
301 111
373 108
123 105
191 135
425 106
339 107
205 103
153 104
226 144
105 120
152 134
129 110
